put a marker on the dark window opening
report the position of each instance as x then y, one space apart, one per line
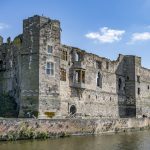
128 78
139 91
62 74
98 64
83 76
119 84
138 79
148 87
107 65
99 80
73 109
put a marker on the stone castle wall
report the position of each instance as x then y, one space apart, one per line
77 84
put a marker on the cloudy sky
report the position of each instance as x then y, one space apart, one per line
104 27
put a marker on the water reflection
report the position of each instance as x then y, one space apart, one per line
122 141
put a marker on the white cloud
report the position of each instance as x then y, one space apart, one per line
3 26
106 35
144 36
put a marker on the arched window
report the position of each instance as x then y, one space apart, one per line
119 84
73 109
99 80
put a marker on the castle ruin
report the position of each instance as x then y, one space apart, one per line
50 80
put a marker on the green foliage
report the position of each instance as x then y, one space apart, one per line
18 41
8 106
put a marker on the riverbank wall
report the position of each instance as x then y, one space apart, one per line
18 129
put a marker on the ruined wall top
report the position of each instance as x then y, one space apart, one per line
1 40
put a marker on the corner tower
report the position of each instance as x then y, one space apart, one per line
40 67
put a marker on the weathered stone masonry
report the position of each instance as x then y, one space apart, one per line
52 80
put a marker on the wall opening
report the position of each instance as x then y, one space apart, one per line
79 76
139 91
77 56
119 84
99 80
138 79
73 109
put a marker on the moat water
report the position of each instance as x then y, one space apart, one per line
123 141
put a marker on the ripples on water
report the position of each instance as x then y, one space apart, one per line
122 141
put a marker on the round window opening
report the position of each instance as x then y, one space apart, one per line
73 109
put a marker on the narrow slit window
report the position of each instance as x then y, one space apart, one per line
83 76
99 80
107 65
120 84
139 91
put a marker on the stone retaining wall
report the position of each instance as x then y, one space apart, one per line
16 129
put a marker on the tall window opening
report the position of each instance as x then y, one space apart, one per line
77 56
139 91
119 84
99 80
138 79
83 76
62 74
73 109
79 76
50 68
107 65
50 49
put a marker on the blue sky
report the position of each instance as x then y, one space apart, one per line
104 27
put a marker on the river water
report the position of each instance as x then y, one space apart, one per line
123 141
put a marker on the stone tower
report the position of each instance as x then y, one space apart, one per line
40 67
